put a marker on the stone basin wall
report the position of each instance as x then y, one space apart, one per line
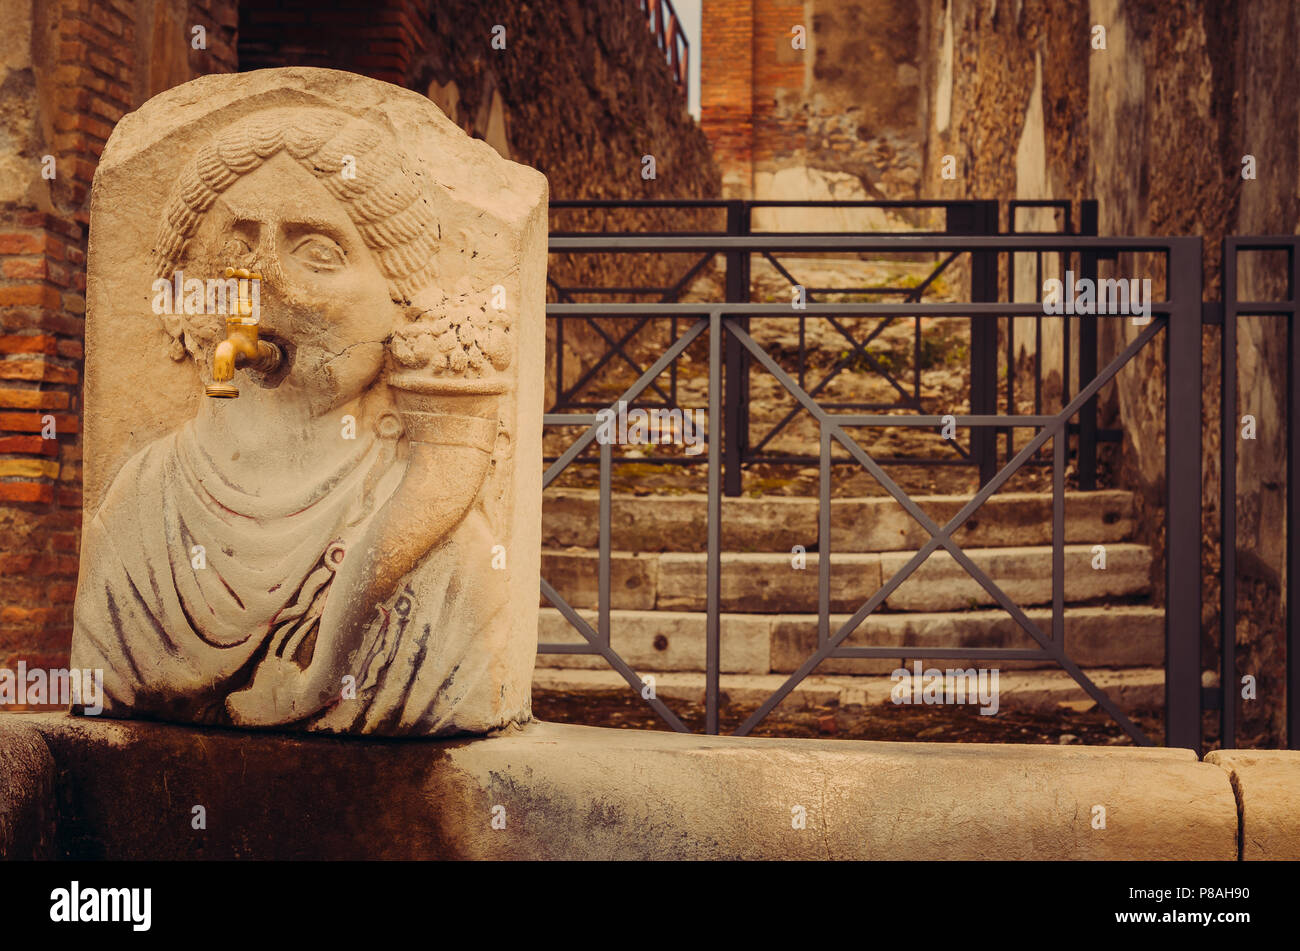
551 791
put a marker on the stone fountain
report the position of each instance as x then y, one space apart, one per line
315 341
314 361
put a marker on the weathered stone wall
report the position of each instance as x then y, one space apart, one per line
1268 117
71 69
577 90
658 795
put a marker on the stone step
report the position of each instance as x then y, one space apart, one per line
769 583
1040 691
1123 636
664 523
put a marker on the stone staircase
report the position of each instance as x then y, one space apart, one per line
769 620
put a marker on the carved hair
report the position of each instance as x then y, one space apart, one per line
382 197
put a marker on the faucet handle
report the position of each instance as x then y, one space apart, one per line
245 303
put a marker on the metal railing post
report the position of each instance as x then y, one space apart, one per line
1228 500
1292 500
713 595
1087 445
736 398
1183 513
981 218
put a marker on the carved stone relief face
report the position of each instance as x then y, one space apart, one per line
314 551
322 293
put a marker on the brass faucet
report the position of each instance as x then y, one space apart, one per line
241 348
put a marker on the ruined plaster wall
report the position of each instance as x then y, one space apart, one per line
842 119
1154 127
71 69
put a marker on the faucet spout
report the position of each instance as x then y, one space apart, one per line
242 347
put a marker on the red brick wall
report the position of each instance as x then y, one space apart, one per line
727 89
848 105
586 91
90 63
752 85
779 122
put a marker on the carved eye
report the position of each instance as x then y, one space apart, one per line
319 253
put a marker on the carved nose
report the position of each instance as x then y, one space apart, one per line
264 261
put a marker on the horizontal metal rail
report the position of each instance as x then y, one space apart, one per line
814 311
932 243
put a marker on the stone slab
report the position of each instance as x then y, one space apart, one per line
1120 636
770 583
633 578
663 640
573 792
1024 574
570 517
765 583
1267 784
311 491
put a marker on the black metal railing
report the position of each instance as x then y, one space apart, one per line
724 325
958 217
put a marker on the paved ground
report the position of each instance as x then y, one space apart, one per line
621 709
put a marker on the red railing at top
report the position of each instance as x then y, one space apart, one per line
666 28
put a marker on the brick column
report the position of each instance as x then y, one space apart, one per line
727 91
780 119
